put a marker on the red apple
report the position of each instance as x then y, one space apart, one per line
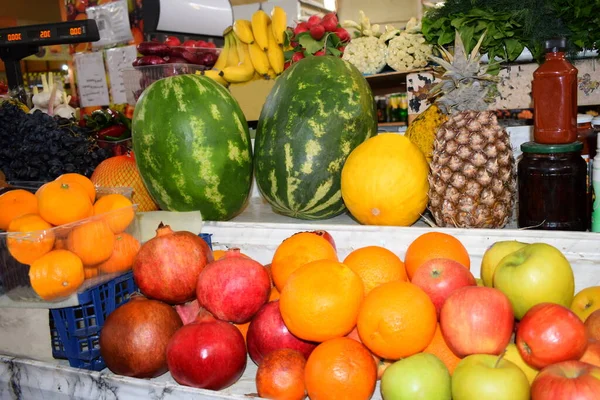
550 333
325 235
477 320
267 332
313 20
172 41
317 32
567 380
382 364
439 277
300 28
592 325
592 354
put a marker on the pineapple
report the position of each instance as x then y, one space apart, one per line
422 130
472 179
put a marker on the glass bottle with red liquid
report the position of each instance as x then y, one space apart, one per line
554 90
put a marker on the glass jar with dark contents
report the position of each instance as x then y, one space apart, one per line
552 187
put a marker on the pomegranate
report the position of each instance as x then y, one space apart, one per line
188 311
134 339
267 332
234 287
207 354
167 266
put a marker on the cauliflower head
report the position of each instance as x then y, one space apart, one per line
367 54
408 51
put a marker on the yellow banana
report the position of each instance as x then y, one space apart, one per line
242 72
215 76
222 60
260 22
272 74
243 30
275 54
259 59
233 57
278 24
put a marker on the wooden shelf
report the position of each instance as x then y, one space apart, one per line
392 124
390 82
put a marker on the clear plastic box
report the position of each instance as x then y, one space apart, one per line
136 79
14 275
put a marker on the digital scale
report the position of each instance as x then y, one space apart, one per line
22 41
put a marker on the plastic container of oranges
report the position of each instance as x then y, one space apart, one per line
46 261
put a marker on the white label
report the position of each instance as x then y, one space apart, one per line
113 23
91 79
117 59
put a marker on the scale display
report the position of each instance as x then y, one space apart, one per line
48 34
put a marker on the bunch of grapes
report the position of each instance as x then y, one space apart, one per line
38 147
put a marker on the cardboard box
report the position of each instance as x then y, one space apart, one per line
251 96
244 2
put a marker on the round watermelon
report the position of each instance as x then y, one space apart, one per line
192 147
319 110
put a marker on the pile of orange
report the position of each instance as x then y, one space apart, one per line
66 234
361 310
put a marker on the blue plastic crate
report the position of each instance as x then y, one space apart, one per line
207 237
75 331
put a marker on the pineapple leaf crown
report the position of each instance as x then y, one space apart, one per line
466 84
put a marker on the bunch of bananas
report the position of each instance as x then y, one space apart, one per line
253 49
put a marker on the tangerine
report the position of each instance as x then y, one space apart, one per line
56 274
296 251
340 368
432 245
120 210
90 272
92 242
15 203
82 180
34 238
62 203
281 375
397 320
124 251
321 300
439 348
376 265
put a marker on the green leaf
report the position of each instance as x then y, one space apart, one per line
333 51
514 48
311 45
332 40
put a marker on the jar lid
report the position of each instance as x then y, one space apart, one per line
596 121
584 118
533 147
555 45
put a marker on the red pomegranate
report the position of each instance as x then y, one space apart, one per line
234 287
167 266
207 354
134 339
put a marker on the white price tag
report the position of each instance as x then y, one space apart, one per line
113 23
117 59
91 79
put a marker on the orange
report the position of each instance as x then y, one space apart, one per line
439 348
376 265
320 301
296 251
62 203
35 238
56 274
92 242
434 245
82 180
90 272
281 375
218 254
60 243
340 369
120 211
243 328
396 320
274 294
15 203
124 251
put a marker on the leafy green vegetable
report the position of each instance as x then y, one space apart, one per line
582 17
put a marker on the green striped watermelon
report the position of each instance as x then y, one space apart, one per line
319 110
192 147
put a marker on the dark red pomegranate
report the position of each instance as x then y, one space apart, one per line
134 339
188 312
234 287
167 266
267 332
207 354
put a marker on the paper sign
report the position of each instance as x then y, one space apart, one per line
91 79
117 59
113 23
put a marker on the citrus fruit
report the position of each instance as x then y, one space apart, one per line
56 274
92 242
124 251
434 245
281 375
396 320
34 238
340 368
439 348
82 180
376 265
296 251
321 300
120 211
15 203
62 203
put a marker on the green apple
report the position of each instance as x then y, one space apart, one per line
538 273
484 376
421 376
512 354
493 255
